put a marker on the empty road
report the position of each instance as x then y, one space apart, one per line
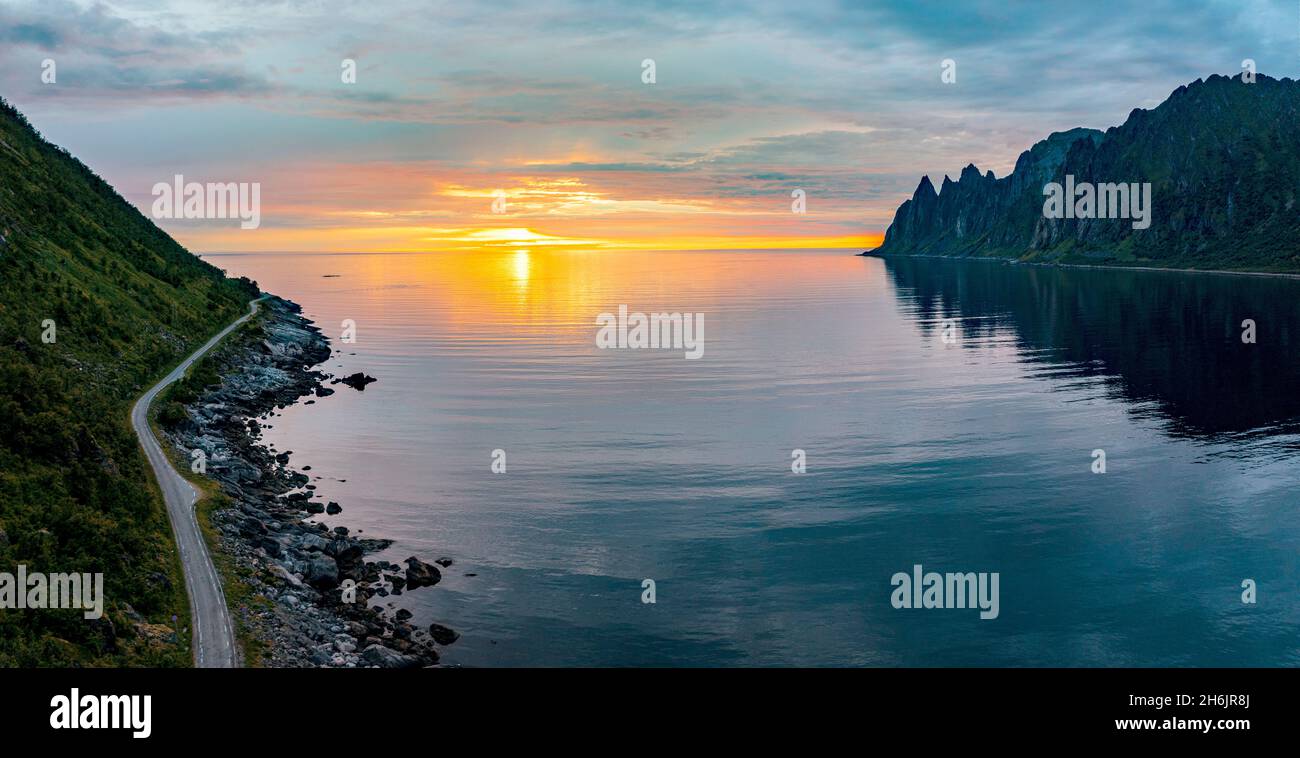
214 634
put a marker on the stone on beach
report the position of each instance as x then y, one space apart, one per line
421 574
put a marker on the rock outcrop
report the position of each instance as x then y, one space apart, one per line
320 587
1220 156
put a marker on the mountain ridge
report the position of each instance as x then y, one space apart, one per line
1219 153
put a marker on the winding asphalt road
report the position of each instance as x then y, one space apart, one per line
214 634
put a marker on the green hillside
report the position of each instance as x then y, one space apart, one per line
127 303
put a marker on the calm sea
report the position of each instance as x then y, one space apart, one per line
973 453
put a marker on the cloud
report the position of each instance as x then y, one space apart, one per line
101 54
40 35
840 98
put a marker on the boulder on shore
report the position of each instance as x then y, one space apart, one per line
322 572
442 635
421 574
378 655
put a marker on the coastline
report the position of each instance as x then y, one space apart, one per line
296 573
1014 262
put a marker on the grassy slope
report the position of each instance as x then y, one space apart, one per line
128 303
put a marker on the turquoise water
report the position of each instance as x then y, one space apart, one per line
969 456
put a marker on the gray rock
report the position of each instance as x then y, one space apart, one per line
421 574
442 635
378 655
314 542
322 572
284 574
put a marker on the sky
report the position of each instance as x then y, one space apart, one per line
543 103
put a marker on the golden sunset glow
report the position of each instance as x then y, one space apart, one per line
423 239
419 207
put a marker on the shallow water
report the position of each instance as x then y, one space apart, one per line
974 456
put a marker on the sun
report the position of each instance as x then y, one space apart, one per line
514 234
513 237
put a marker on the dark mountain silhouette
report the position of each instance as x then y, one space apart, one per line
1222 157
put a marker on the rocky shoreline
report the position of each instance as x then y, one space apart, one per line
311 585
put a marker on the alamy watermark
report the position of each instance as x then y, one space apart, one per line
52 591
668 331
77 711
182 200
953 590
1106 200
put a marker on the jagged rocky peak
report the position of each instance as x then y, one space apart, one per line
1209 144
969 176
924 189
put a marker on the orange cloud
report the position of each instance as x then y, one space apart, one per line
377 207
